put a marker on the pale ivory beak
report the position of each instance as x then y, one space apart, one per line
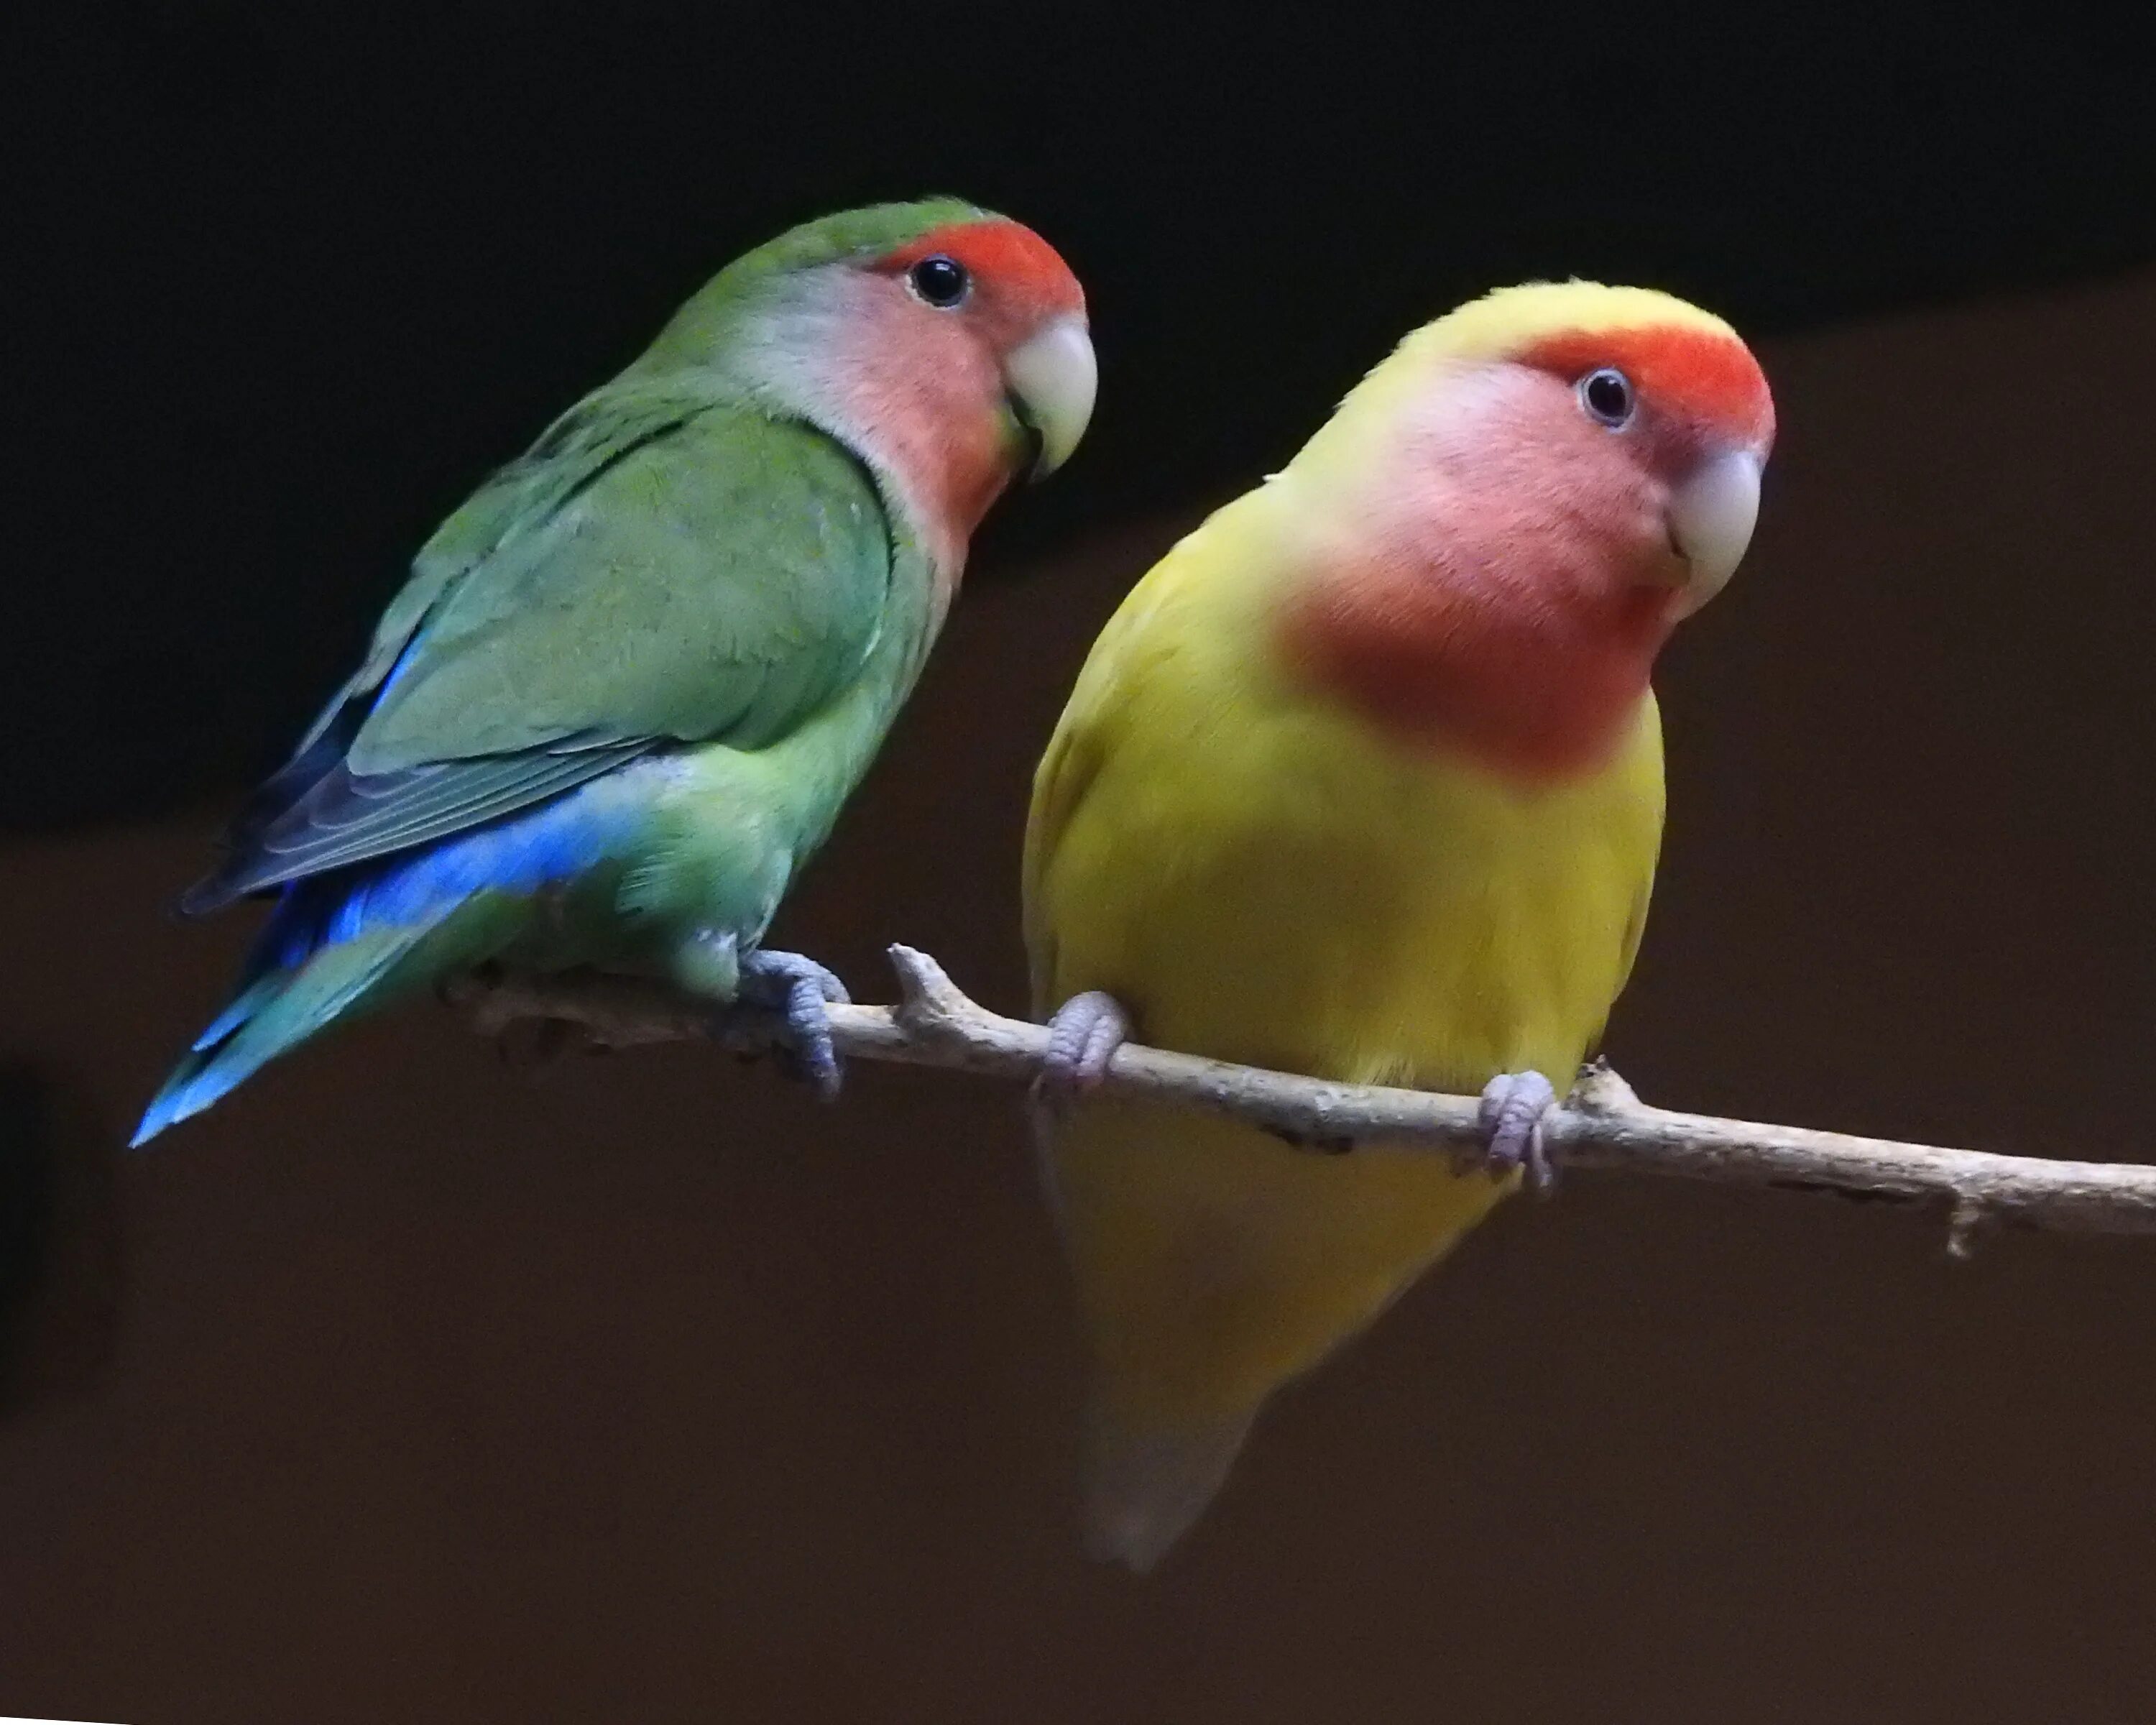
1051 376
1711 515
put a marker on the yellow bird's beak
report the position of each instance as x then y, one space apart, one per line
1051 377
1711 512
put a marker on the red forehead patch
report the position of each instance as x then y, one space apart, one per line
1698 374
1017 261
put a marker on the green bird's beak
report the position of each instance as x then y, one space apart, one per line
1051 377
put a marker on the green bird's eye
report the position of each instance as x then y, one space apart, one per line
1607 396
942 282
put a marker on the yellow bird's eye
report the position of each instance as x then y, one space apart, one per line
1607 396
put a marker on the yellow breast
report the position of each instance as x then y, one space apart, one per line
1259 877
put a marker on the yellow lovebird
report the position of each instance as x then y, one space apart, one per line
1364 780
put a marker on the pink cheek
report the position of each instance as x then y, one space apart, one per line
931 354
954 339
1628 475
1650 512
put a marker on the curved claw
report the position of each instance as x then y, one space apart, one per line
1514 1105
801 990
1082 1038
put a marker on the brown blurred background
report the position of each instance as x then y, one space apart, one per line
409 1386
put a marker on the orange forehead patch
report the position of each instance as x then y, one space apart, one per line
1007 255
1696 373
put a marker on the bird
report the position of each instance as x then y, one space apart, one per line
1363 780
630 681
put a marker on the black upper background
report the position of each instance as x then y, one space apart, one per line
289 279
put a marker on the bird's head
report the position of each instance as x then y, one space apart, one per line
1518 505
946 344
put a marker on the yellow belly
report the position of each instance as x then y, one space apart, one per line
1274 885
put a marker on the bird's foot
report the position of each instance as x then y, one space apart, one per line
800 990
1514 1106
1082 1038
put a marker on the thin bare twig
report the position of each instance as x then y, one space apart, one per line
1602 1124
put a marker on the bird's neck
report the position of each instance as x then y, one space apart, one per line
1492 640
932 424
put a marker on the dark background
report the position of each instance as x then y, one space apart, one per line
296 275
407 1387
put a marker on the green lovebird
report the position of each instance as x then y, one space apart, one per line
630 682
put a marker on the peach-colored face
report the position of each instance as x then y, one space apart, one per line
1521 547
1554 472
927 367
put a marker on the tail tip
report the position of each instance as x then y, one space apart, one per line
194 1087
1146 1487
1133 1540
167 1109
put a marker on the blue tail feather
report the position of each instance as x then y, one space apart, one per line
333 940
273 1014
249 1000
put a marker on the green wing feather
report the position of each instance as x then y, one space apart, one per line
667 564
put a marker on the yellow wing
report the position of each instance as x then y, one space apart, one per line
1084 736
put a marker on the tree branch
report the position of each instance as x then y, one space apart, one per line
1602 1124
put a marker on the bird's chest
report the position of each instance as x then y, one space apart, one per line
1350 910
